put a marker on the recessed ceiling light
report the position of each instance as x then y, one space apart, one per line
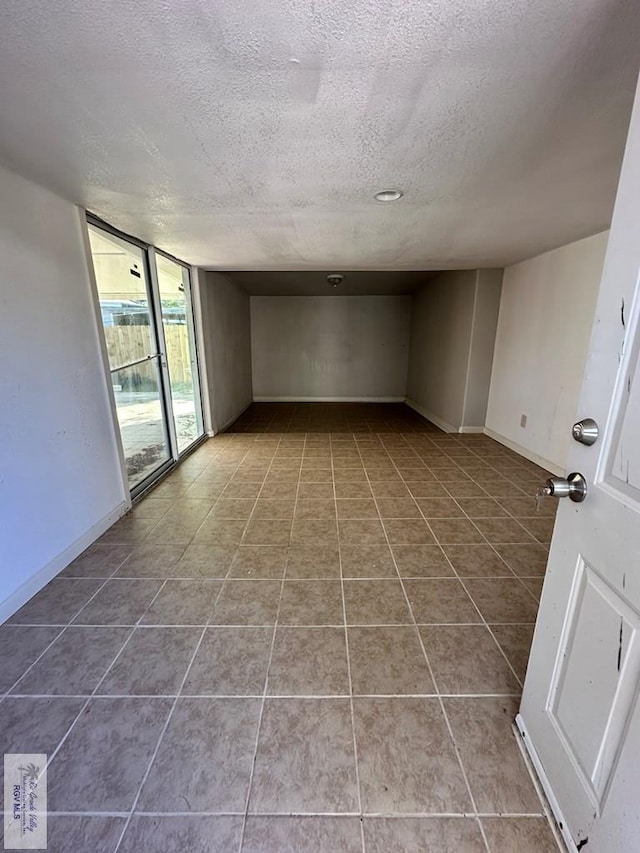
388 195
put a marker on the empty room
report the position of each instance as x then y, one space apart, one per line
319 477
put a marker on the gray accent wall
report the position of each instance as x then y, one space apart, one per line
330 347
226 340
451 352
488 288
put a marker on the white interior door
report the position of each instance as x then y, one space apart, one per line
580 715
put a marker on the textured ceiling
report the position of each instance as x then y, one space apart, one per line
287 283
252 134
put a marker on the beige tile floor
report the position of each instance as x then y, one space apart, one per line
311 636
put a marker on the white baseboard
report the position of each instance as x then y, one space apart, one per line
439 422
430 416
543 780
328 399
547 464
42 577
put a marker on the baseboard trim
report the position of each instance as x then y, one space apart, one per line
328 399
429 416
42 577
547 464
467 430
543 780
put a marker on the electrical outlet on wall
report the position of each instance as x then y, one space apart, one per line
523 421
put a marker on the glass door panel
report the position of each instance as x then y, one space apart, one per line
141 418
134 356
179 338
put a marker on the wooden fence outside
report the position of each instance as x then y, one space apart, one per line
130 343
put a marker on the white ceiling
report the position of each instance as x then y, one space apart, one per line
252 134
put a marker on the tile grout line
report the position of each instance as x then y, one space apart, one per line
479 822
488 627
171 710
456 574
435 683
160 739
174 704
93 693
63 626
495 550
210 464
536 787
245 817
270 695
236 468
400 463
352 815
462 580
472 599
346 640
269 624
7 693
491 544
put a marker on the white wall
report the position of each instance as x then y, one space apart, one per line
330 347
546 313
60 476
452 336
226 338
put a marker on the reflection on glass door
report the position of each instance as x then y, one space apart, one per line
179 340
134 354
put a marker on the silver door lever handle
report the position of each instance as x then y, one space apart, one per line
573 487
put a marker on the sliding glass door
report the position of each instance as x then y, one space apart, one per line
179 337
148 328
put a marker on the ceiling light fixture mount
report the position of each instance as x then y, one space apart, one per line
388 195
335 278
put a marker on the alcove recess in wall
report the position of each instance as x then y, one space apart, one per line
453 330
330 347
425 337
